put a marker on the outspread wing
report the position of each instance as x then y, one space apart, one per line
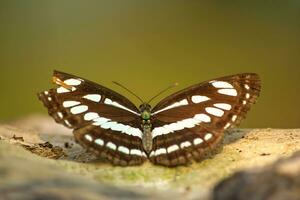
102 120
191 121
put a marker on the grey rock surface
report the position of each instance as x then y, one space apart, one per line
279 181
41 157
26 178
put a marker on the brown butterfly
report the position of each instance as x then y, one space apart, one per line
179 129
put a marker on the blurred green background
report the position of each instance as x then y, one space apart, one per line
147 45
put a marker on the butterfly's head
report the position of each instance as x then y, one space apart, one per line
145 110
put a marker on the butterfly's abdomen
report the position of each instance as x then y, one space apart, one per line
147 138
146 126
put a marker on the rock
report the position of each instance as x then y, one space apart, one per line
279 181
23 178
52 147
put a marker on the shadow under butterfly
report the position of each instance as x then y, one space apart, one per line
181 128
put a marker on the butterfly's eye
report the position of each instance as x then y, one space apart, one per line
145 106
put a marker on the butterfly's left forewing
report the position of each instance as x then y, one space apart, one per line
102 120
189 122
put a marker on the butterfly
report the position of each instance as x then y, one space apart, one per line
180 129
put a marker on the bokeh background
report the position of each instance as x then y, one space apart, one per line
148 45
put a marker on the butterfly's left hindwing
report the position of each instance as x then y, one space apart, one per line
189 122
102 120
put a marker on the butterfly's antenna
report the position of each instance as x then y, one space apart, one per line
171 86
122 86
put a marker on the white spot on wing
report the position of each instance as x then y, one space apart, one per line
152 154
116 104
134 132
144 154
111 145
247 96
199 98
169 128
172 148
189 123
197 141
90 116
202 118
221 84
60 115
185 123
99 142
174 126
136 152
214 111
49 99
62 90
79 109
247 86
88 137
93 97
99 121
224 106
159 131
68 104
123 149
227 125
244 102
233 118
119 127
229 92
208 136
68 123
177 104
108 101
72 81
185 144
160 151
108 125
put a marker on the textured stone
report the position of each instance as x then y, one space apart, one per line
279 181
51 146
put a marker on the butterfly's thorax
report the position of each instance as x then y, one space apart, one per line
146 126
